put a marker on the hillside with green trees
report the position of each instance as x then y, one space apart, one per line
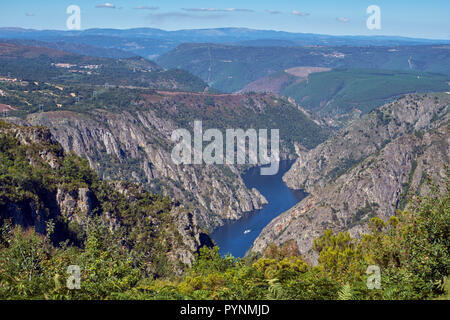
230 68
49 65
343 90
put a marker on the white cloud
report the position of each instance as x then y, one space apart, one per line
216 10
162 18
106 5
344 20
274 12
29 14
200 9
238 10
299 13
146 8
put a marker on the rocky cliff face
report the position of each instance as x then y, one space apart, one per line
368 169
126 135
136 147
46 195
363 138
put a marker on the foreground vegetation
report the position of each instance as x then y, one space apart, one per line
412 250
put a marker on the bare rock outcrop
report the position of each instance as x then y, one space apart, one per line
136 147
379 177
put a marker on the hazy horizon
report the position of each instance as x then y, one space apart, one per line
401 18
221 28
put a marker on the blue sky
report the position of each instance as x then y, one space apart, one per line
413 18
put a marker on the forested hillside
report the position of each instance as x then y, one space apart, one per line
49 65
231 68
344 91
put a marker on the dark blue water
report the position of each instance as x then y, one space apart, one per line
231 237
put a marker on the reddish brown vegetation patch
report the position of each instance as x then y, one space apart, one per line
5 107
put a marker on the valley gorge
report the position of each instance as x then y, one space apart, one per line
136 164
366 169
134 145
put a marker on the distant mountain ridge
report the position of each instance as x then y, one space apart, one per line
222 33
150 42
77 48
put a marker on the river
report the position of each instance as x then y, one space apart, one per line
236 237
